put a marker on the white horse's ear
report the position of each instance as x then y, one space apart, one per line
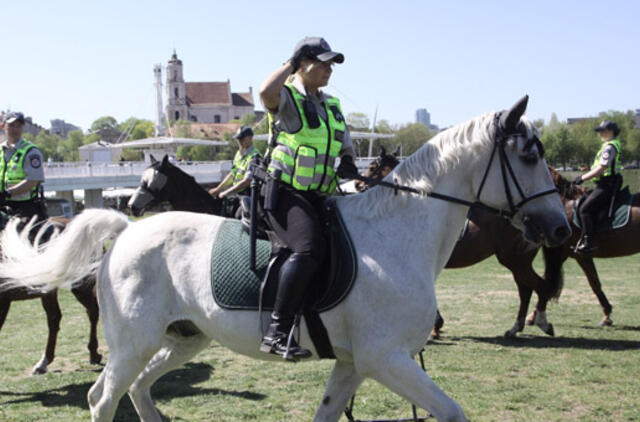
510 119
152 158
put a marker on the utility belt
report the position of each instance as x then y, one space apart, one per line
609 182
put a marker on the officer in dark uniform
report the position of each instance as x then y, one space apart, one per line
311 134
606 173
21 171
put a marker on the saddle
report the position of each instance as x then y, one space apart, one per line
614 216
234 286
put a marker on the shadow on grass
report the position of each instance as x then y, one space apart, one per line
560 342
614 327
178 383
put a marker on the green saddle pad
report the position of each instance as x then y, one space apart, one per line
620 217
235 286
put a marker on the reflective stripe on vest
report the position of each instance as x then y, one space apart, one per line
617 161
13 171
241 162
306 157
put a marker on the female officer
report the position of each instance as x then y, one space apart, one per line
605 172
310 133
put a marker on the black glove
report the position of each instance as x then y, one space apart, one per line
346 169
578 180
298 55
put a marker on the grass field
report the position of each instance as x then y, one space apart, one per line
586 373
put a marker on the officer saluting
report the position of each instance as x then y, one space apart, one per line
310 134
21 171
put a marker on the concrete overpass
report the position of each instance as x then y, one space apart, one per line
94 177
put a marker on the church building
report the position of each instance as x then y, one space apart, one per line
203 102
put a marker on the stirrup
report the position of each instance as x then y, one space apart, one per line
291 351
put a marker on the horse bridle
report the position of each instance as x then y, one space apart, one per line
506 171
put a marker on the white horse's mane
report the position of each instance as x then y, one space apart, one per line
422 169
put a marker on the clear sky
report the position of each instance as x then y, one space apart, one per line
80 60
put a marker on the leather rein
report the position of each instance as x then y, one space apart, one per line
506 171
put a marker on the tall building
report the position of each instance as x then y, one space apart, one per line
61 128
423 116
203 102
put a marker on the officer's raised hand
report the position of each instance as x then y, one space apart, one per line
301 52
347 169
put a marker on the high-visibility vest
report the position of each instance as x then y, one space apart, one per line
306 157
617 161
13 171
241 162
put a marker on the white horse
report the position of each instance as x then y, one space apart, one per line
154 282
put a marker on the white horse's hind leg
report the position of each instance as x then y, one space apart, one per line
403 375
342 384
121 370
176 350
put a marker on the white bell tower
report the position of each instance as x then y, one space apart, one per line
176 95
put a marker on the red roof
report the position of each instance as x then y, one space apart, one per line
212 130
208 92
242 99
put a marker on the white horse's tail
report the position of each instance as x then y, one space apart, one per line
69 257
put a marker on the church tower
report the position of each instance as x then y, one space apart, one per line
176 95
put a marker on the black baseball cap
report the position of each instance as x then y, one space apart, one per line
242 132
608 125
14 116
320 50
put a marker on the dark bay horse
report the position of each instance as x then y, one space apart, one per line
83 291
163 181
609 243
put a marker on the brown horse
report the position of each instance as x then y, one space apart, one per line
83 291
609 244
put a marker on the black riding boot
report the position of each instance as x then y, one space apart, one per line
586 246
295 275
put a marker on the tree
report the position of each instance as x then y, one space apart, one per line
104 122
412 137
358 121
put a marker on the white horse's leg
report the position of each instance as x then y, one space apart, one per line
123 366
342 384
402 375
175 352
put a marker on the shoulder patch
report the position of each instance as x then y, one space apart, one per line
605 155
35 161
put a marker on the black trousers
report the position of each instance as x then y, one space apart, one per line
597 200
296 221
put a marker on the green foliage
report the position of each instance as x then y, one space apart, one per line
578 143
358 121
104 122
412 136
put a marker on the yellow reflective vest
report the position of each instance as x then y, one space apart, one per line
306 158
617 163
12 172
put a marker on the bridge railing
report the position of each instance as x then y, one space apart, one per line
100 169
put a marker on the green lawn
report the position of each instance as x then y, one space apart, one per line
586 373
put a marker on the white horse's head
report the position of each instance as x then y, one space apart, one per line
517 179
